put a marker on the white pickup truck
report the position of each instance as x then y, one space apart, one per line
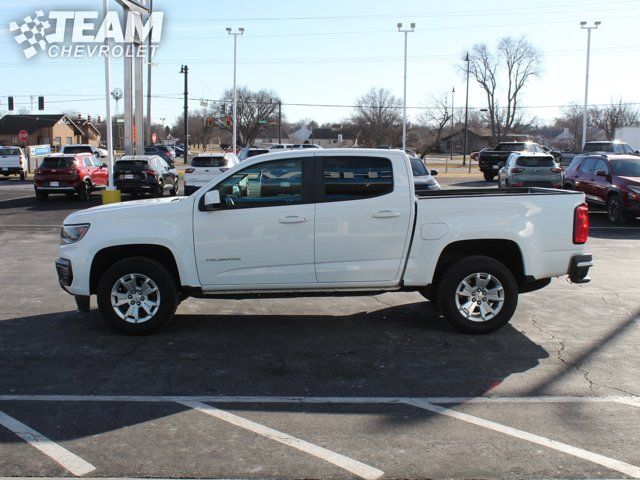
331 222
13 162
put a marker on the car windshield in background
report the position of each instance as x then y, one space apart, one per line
418 168
9 151
53 162
536 162
74 150
626 168
209 162
253 153
598 147
510 147
121 164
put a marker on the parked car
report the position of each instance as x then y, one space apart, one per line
280 146
140 174
248 152
72 149
490 160
556 154
298 146
475 155
70 174
608 180
609 146
206 167
423 180
344 221
13 162
163 151
530 170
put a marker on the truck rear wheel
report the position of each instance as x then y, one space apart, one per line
137 296
478 295
488 176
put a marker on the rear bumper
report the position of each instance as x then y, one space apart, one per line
11 170
126 187
57 189
579 268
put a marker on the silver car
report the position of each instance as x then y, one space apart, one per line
529 169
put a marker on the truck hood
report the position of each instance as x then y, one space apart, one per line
633 181
138 208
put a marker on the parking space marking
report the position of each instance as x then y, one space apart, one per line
70 461
16 198
633 401
357 468
607 462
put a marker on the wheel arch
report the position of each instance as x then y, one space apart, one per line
109 255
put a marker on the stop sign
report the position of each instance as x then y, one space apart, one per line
154 138
23 136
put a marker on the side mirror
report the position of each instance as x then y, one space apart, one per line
601 173
434 173
212 199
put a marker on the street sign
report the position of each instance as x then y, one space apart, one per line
154 138
23 136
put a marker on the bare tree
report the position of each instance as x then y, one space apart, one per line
503 76
255 111
571 119
436 118
378 118
614 116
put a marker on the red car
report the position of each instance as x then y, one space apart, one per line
70 174
608 180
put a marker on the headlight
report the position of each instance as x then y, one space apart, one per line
73 233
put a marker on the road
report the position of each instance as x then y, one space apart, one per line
360 387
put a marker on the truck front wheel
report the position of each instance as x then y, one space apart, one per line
137 295
478 295
488 176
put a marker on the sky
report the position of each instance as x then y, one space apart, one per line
332 52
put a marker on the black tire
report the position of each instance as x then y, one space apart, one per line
488 176
569 186
168 293
175 189
453 277
159 191
85 192
22 176
615 210
42 196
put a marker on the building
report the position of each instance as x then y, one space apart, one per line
333 137
56 130
269 136
477 139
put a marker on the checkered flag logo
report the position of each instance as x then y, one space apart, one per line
31 33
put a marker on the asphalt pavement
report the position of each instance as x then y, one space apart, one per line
355 387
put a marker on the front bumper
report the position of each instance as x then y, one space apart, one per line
579 268
65 273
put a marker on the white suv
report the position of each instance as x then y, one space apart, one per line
206 167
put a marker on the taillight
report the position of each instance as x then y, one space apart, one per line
556 170
581 224
150 172
74 173
37 171
190 170
517 170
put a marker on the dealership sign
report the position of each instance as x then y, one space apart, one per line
80 34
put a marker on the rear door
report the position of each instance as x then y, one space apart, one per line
362 218
586 177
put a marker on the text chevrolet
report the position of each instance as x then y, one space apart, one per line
332 222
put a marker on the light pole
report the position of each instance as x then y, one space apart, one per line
109 195
235 100
588 28
453 92
466 116
406 32
185 152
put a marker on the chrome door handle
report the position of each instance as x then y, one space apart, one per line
293 219
385 214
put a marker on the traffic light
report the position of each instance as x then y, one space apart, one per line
10 103
210 122
228 121
224 108
40 103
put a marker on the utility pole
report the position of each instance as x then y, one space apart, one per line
453 91
466 118
404 96
149 65
185 70
235 99
588 28
279 122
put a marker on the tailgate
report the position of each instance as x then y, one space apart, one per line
9 161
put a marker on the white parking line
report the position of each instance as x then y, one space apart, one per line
607 462
16 198
59 454
357 468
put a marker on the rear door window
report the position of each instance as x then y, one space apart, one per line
575 163
602 165
355 178
588 165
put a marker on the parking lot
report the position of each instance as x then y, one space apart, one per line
354 387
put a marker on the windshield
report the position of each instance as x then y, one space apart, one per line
77 149
209 162
60 162
536 162
598 147
253 153
626 168
510 147
9 151
418 168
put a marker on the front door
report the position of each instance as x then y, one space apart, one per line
362 219
262 233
